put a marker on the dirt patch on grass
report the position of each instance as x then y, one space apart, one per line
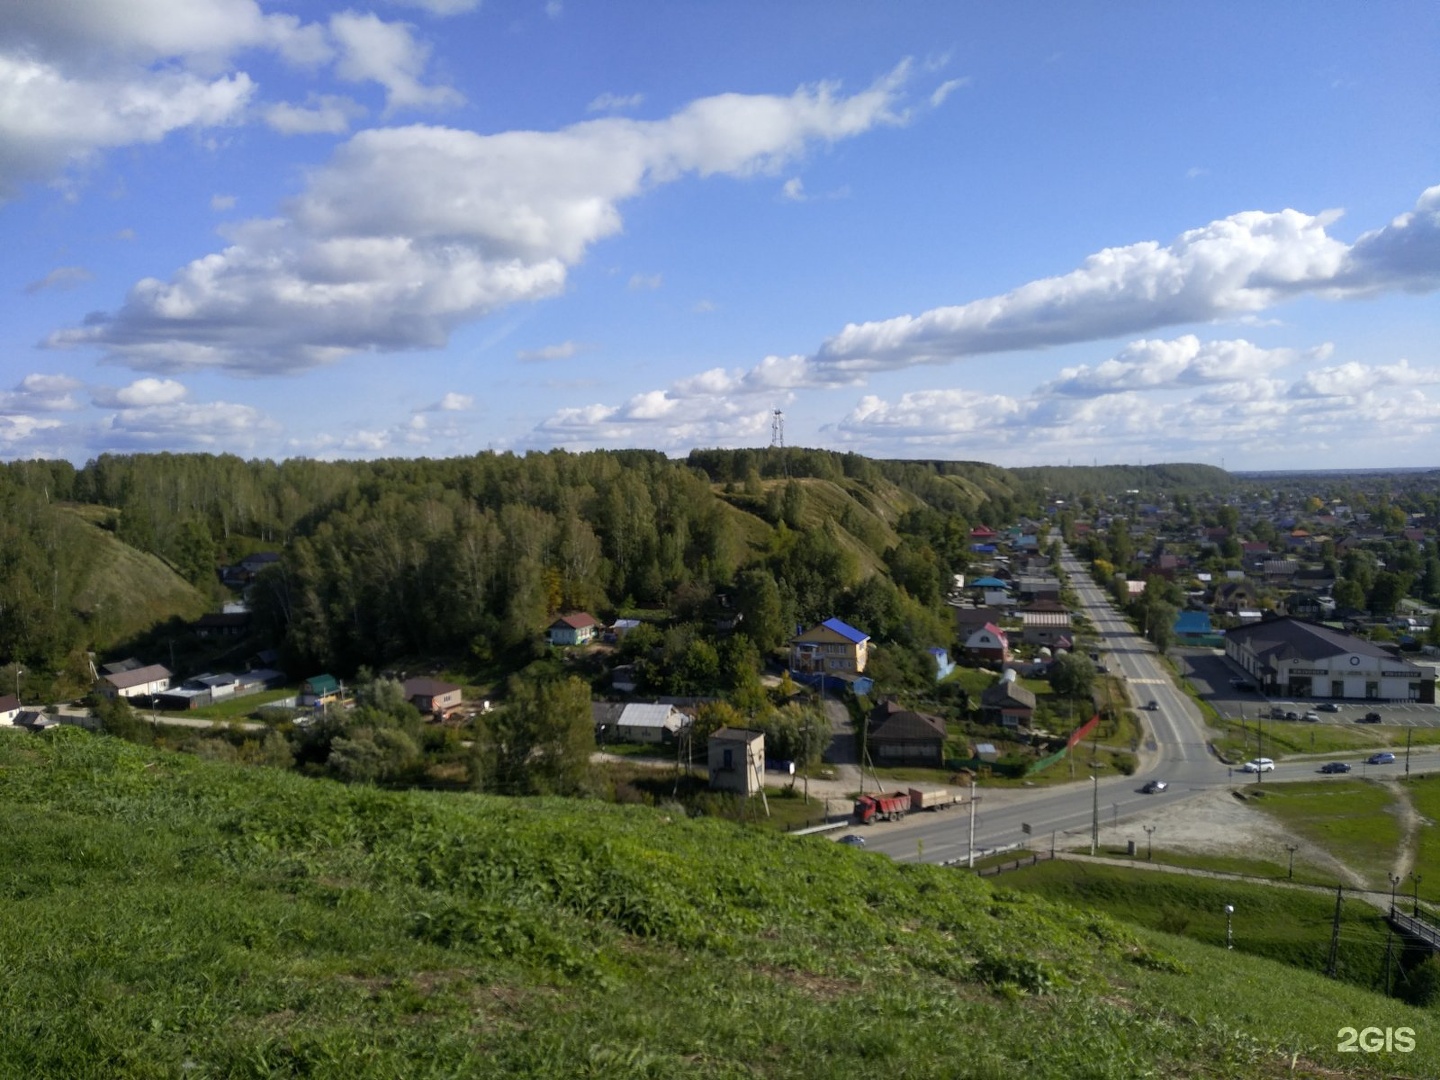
1220 824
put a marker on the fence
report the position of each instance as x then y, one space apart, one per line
1028 859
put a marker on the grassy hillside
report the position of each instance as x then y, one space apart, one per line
164 916
119 591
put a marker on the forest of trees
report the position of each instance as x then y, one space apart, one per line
474 556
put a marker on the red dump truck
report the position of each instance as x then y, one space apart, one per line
882 807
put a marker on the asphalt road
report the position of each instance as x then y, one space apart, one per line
1176 751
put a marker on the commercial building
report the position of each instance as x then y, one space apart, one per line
1294 658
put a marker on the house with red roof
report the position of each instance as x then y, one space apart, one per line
988 645
573 628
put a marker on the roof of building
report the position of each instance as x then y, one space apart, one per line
1192 622
422 686
124 680
1031 617
907 725
649 716
576 620
9 703
322 684
988 583
1005 693
845 630
1295 639
733 734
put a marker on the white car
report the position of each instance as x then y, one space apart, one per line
1263 764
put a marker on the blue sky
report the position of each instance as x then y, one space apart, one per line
1023 234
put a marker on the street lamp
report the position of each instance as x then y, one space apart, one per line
1149 837
18 672
1394 884
1229 937
1417 894
1095 816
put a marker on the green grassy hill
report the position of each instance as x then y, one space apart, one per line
119 591
165 916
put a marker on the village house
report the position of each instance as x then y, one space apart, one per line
831 646
9 710
1007 704
432 696
573 628
134 683
988 645
899 736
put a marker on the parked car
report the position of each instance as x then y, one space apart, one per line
1335 766
1242 684
1154 787
1277 713
1384 757
1328 706
1262 764
1370 718
1313 717
852 840
1292 715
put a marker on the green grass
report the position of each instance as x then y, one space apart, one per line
1281 738
1351 819
166 916
1424 795
233 708
1289 925
1276 869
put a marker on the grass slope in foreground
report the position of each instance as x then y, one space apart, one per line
165 916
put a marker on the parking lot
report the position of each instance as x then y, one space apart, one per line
1211 673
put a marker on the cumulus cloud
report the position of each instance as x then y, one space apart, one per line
794 189
41 393
16 431
608 102
78 77
452 402
1160 365
371 49
441 7
1240 265
322 114
411 231
156 413
655 419
49 121
563 351
140 393
62 277
1354 380
645 282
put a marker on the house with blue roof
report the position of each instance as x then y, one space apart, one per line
831 646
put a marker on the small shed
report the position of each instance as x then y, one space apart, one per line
736 758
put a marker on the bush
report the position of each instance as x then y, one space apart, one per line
1126 764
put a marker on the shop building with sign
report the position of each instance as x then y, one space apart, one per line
1294 658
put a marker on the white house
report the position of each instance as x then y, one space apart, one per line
649 723
136 683
9 710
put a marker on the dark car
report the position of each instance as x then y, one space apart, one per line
1370 718
1152 705
1335 766
1154 787
1382 758
1292 715
852 839
1328 706
1242 684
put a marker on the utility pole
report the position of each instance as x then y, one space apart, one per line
1408 733
1149 839
1095 815
1331 967
970 852
1290 873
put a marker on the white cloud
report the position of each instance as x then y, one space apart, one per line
704 307
175 424
62 277
410 231
222 202
453 402
17 430
1242 264
945 89
563 351
554 9
49 121
322 114
645 282
608 102
41 393
1160 365
442 7
387 53
1354 380
140 394
794 189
